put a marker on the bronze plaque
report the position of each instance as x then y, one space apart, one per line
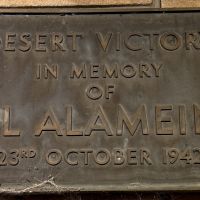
100 102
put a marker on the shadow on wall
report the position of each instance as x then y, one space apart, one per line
107 196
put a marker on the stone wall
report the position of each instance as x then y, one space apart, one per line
150 3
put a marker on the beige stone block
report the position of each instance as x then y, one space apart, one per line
42 3
180 3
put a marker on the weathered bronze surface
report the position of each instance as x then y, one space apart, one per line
100 102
